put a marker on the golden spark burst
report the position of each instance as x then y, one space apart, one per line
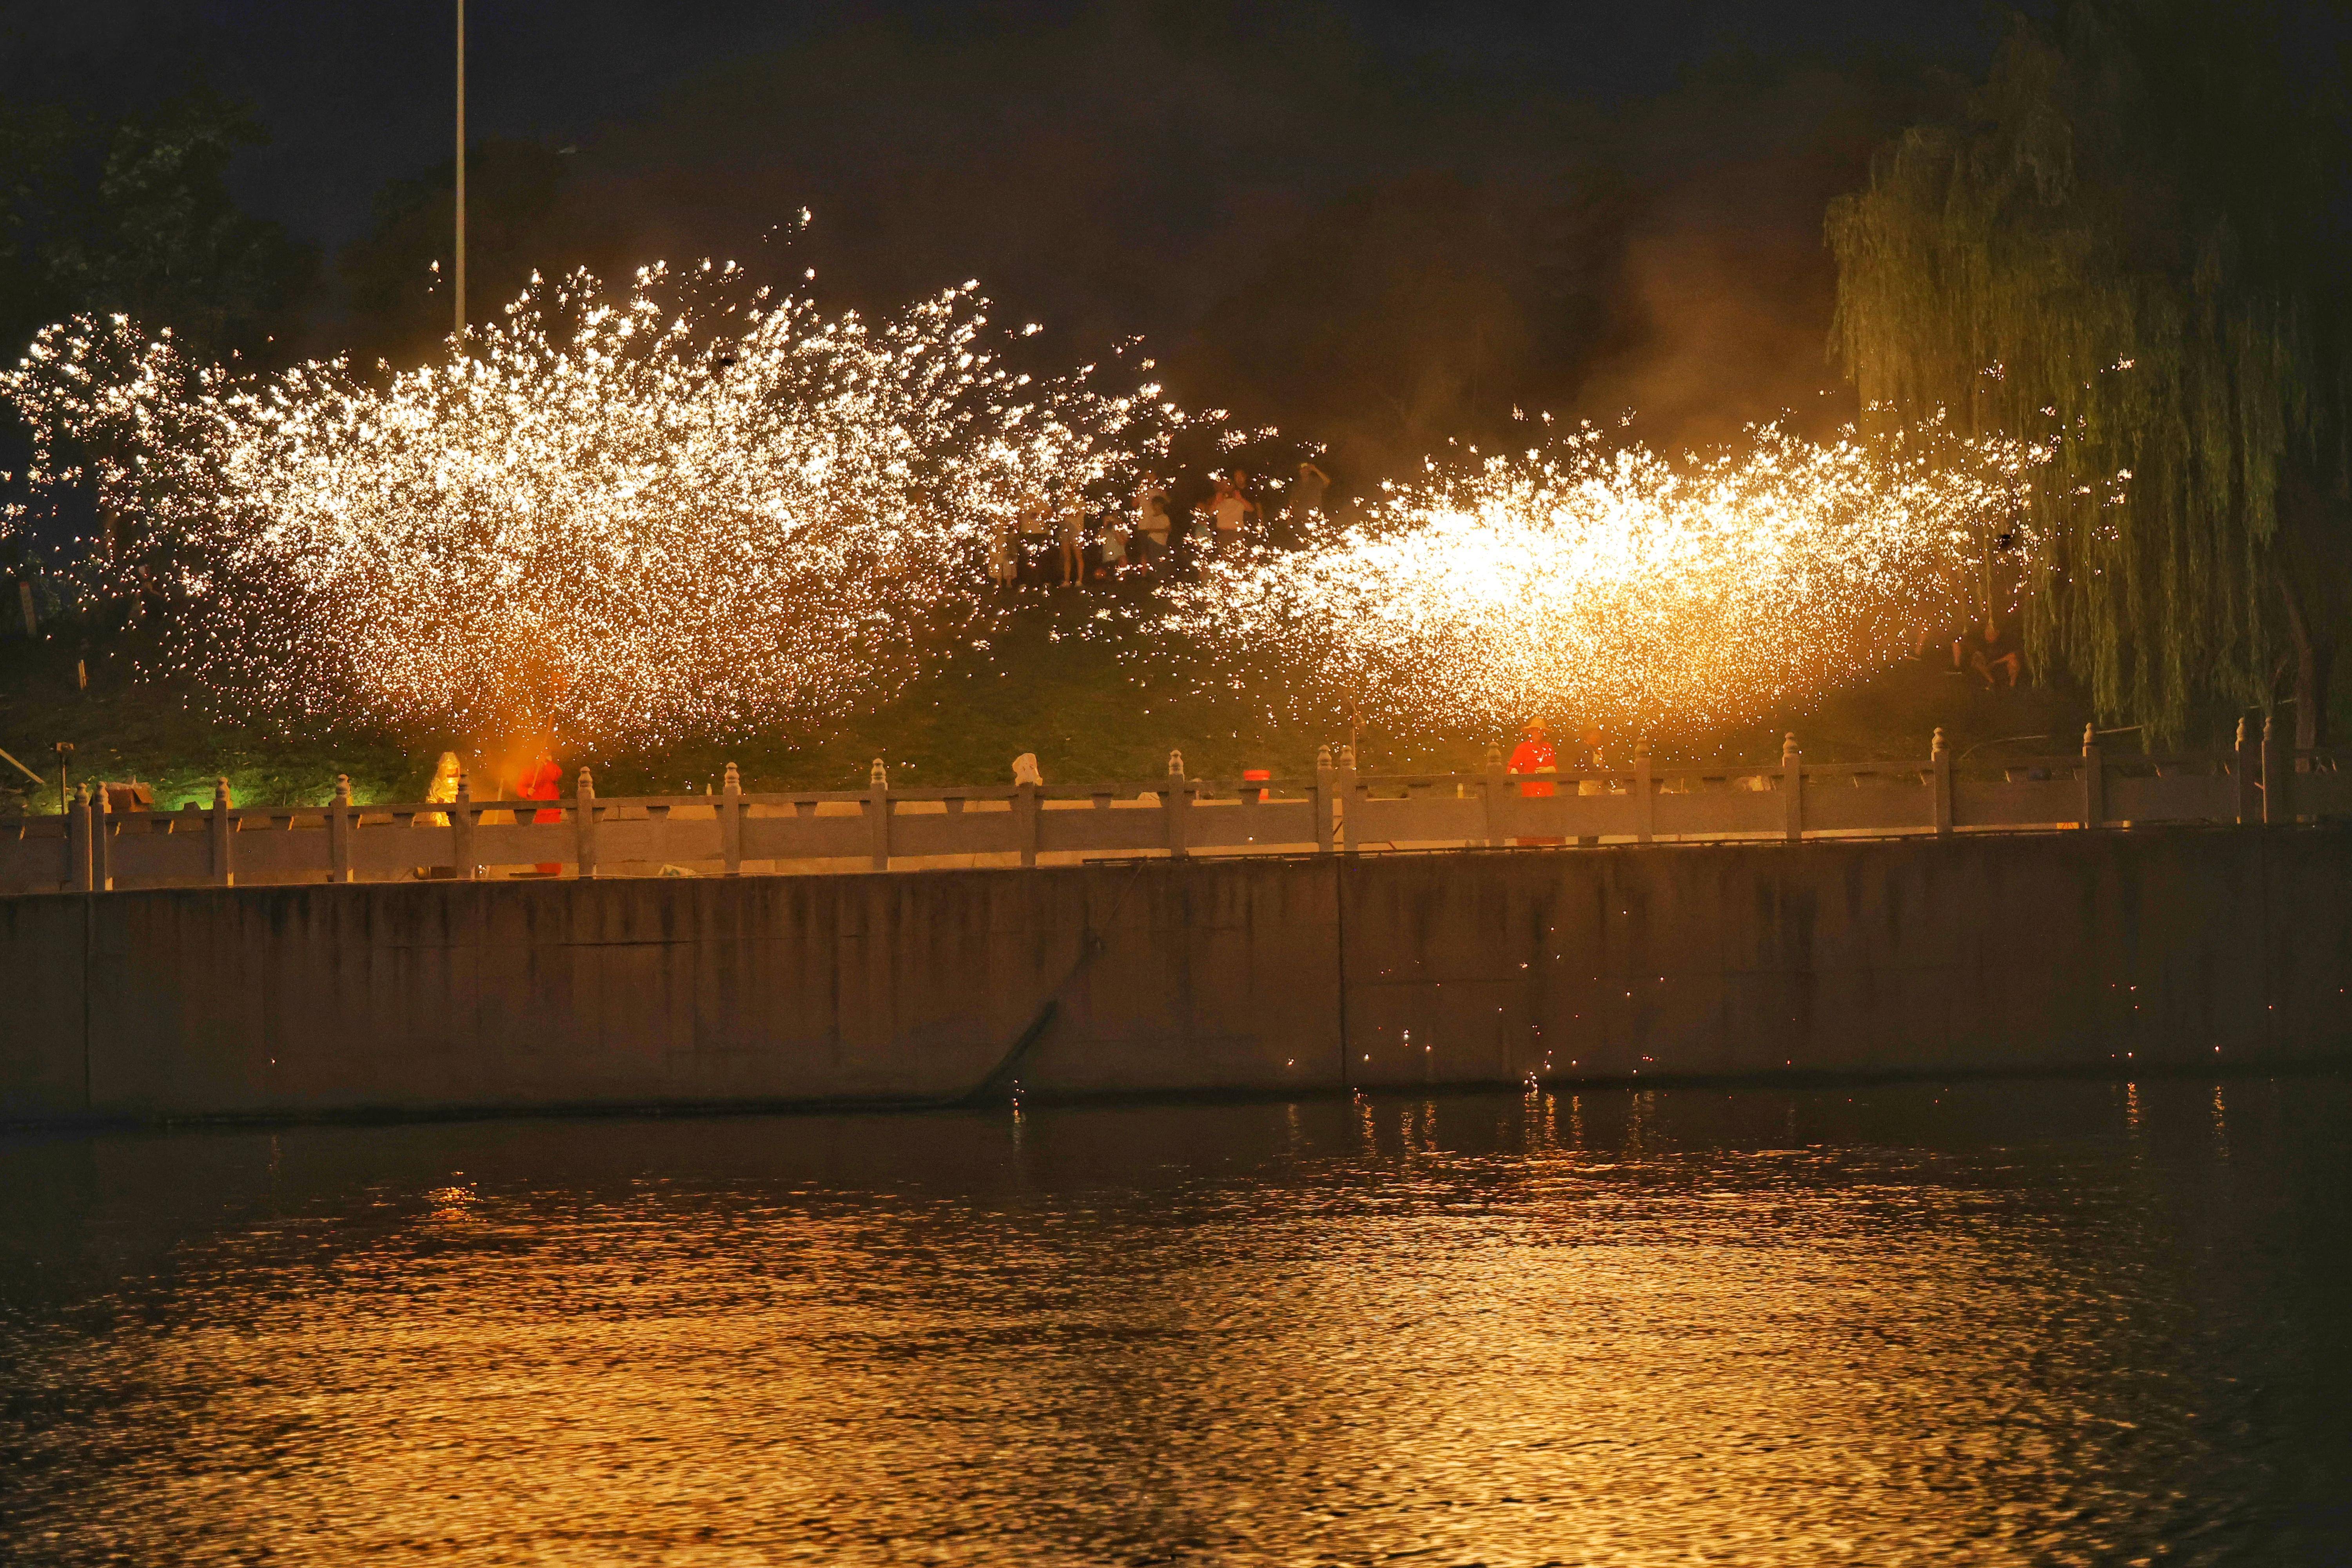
696 509
1602 584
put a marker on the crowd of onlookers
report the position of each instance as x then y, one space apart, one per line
1068 539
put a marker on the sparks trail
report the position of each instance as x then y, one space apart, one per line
693 510
1605 584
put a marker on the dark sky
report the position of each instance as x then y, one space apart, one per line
1385 223
356 92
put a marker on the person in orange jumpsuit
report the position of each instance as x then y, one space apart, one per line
1534 754
542 780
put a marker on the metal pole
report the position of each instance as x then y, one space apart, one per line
461 168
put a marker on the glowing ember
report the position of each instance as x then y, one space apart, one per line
694 510
1607 585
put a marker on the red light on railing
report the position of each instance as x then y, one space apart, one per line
1256 776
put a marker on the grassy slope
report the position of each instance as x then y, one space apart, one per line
1093 701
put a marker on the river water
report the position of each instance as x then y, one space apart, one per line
2012 1323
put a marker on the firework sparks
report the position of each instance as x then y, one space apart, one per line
1604 584
693 510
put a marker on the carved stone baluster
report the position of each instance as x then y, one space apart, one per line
462 815
1492 786
2094 781
584 811
1792 781
223 833
1645 794
1939 758
1178 800
1326 777
731 822
338 831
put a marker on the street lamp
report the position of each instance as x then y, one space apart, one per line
461 168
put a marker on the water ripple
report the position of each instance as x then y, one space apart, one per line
2001 1324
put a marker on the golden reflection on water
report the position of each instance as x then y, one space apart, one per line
1966 1326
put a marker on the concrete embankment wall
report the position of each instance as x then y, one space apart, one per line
2048 952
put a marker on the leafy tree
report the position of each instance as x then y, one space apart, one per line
137 218
2130 241
34 174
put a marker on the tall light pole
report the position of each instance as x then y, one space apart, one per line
461 168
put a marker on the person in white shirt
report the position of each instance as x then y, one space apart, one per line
1000 555
1034 523
1114 544
1151 518
1073 526
1230 507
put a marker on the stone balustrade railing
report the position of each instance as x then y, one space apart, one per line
1338 811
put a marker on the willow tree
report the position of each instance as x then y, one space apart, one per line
2127 246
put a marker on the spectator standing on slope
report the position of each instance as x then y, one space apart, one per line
1151 519
1302 506
1227 510
1113 548
1072 522
1033 525
1001 561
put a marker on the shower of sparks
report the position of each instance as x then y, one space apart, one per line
695 510
1598 584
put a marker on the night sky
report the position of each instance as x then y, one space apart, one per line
1390 223
358 94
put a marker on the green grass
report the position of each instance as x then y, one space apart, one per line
1094 701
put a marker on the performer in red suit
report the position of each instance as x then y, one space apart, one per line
542 780
1534 754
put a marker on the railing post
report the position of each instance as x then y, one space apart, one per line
2277 806
1348 787
1646 809
2249 793
338 831
2094 781
224 839
77 837
461 829
1178 800
1793 783
1025 807
1325 776
583 824
731 821
877 812
1493 788
1939 758
101 841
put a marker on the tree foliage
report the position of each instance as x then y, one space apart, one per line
137 218
2127 244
